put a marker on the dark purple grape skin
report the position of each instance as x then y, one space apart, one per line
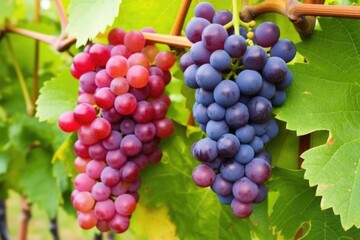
221 186
266 34
222 17
215 129
254 58
199 53
205 150
235 45
203 175
241 210
204 97
232 170
258 170
207 77
195 28
274 70
237 115
226 93
249 81
245 190
284 49
260 109
204 10
228 145
189 76
263 192
214 36
185 61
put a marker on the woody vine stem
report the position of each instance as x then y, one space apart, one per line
296 12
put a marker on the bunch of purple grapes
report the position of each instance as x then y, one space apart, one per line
119 119
238 81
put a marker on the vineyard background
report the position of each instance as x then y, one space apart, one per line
36 157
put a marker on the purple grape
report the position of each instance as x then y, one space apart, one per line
232 170
215 112
195 28
245 154
130 145
254 58
215 129
203 175
207 77
274 70
221 186
249 82
226 93
266 34
228 145
260 109
189 76
214 36
241 210
205 150
199 53
258 170
220 60
204 97
245 190
284 49
237 115
235 46
204 10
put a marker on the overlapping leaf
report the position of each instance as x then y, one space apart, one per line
325 96
57 96
196 212
88 18
297 206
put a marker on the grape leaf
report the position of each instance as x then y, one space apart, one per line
7 7
88 18
177 111
39 185
57 96
195 211
324 96
297 207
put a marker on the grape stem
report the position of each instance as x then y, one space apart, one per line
35 85
180 18
30 107
301 14
25 218
236 18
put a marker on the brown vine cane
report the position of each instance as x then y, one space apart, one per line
300 13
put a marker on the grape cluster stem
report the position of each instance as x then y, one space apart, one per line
301 14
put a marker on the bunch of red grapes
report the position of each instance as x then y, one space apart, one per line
120 118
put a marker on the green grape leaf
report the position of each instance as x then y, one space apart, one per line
324 96
88 18
66 154
297 208
57 96
38 182
177 110
196 212
7 7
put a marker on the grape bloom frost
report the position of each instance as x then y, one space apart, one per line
120 118
238 78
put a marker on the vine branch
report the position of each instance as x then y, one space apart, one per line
30 108
180 18
301 14
62 15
